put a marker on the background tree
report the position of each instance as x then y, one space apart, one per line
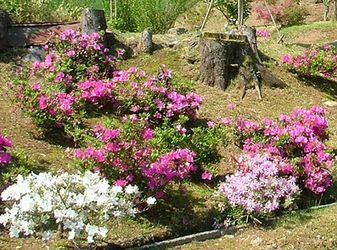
229 9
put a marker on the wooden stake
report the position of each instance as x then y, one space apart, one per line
207 14
116 12
273 20
240 13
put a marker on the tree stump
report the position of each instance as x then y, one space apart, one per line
220 53
145 44
225 56
93 20
4 21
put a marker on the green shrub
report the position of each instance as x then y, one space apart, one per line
159 15
40 11
229 9
47 10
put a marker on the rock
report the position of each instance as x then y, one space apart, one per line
145 44
189 59
171 43
256 242
330 103
34 54
177 31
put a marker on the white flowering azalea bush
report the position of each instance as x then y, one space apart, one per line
73 203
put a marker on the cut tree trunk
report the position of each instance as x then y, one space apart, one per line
4 21
223 57
93 20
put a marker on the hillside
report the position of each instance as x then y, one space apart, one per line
314 229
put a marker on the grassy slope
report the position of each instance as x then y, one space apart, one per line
302 230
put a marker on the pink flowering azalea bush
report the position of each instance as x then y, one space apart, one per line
203 140
123 153
263 33
73 57
259 186
5 158
285 12
80 79
57 92
298 139
315 61
284 165
156 97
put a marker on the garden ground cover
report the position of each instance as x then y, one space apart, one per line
300 93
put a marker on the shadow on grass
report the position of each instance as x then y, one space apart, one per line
56 137
303 45
289 220
177 212
11 55
327 86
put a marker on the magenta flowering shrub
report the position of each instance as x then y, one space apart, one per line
72 57
285 12
5 158
80 78
259 186
297 139
263 33
123 153
156 97
71 81
316 61
203 140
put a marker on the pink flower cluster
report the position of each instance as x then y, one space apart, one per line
284 12
258 187
72 57
97 91
57 103
316 61
263 33
175 165
156 95
5 158
263 13
124 155
298 139
81 76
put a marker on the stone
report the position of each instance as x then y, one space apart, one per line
145 44
171 43
330 103
256 242
177 31
36 53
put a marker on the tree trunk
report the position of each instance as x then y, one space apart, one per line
4 21
224 57
93 21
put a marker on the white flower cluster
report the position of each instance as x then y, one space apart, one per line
71 201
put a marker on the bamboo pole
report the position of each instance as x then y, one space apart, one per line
273 20
207 14
240 13
110 11
116 12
